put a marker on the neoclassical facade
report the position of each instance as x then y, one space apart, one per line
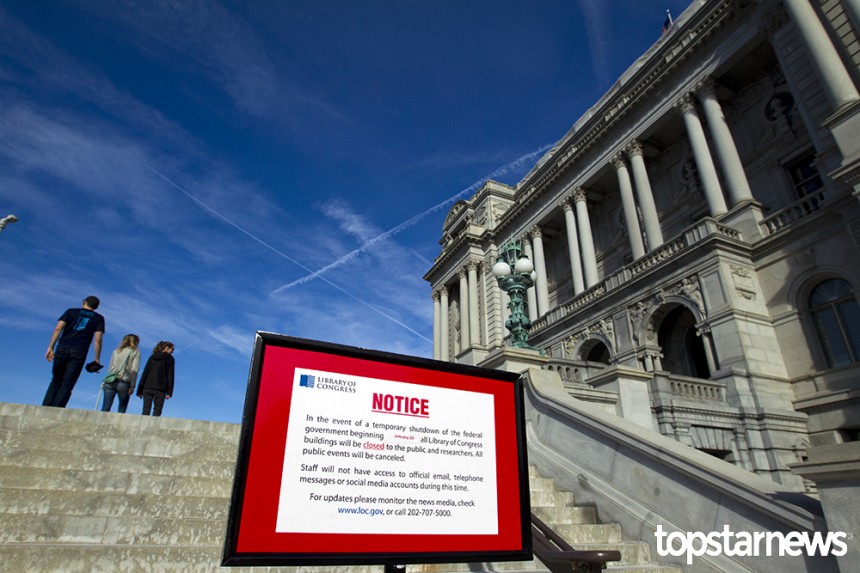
695 238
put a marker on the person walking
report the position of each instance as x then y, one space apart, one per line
70 343
156 381
125 361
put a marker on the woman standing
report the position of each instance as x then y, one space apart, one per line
125 361
156 382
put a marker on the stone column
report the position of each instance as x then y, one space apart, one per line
653 234
835 78
702 156
474 319
708 344
443 339
628 204
465 341
573 247
531 297
852 10
583 223
437 326
727 152
541 287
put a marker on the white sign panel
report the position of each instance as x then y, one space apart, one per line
365 455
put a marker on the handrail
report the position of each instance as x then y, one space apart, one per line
560 557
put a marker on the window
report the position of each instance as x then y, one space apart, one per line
805 176
836 316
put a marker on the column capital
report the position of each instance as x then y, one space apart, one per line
774 20
463 273
617 161
565 203
634 148
703 331
685 104
579 195
535 232
436 296
706 87
473 264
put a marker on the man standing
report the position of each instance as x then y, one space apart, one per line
75 331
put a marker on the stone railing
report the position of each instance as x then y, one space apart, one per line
675 386
663 253
798 210
574 371
701 231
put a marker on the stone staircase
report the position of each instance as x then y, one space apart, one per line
86 491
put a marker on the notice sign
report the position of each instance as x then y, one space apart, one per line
368 454
350 456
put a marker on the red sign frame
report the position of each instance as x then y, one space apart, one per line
251 537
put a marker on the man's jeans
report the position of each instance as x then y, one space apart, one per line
119 389
67 367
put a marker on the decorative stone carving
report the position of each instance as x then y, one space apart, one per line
637 312
607 329
690 183
779 128
685 104
805 259
634 148
743 281
497 210
480 216
691 289
617 161
571 342
774 20
456 209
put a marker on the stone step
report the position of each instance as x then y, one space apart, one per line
55 479
100 530
185 466
566 515
93 491
174 559
653 568
541 484
551 499
589 532
147 443
107 504
30 418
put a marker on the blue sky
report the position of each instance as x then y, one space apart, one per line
210 169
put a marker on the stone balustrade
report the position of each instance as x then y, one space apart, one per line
794 212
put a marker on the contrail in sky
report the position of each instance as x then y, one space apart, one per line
284 255
503 170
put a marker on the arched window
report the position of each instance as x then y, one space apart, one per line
836 315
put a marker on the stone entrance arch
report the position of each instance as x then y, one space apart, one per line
595 350
681 343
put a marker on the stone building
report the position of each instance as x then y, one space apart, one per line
695 239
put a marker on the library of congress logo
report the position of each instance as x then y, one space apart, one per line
755 544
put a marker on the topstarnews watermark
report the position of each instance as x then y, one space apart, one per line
746 544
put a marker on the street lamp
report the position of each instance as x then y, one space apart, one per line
515 273
6 220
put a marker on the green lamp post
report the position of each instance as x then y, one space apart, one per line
515 273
